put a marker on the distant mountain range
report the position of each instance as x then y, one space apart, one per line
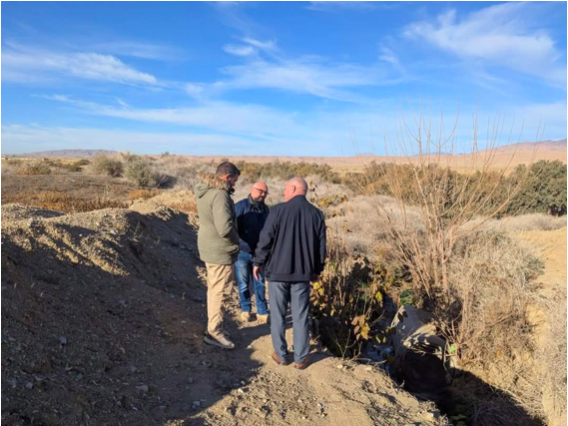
540 147
544 146
70 153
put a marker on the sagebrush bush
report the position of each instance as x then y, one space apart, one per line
34 169
285 170
142 172
108 166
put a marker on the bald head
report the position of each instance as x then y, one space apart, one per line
294 187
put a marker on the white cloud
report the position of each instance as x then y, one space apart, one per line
326 6
244 119
498 35
389 56
305 76
42 64
239 50
262 45
140 50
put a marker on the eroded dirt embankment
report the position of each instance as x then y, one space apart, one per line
102 322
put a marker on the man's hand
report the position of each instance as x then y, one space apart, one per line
256 270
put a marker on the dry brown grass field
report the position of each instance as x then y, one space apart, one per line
104 303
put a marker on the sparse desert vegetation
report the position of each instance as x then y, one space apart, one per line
417 234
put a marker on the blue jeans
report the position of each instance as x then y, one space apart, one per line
243 271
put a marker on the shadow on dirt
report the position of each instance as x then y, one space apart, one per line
106 328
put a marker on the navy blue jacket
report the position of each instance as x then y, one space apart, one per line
250 221
292 242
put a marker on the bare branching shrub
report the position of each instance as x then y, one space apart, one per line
105 165
474 280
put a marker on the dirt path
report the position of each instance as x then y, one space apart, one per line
103 315
551 245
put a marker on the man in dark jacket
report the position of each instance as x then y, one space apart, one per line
251 214
218 244
292 252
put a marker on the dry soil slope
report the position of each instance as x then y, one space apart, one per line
102 319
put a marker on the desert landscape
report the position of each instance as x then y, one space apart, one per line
104 298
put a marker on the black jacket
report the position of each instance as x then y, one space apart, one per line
292 242
250 220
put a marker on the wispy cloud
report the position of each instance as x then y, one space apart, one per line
498 35
141 50
305 76
326 6
38 64
246 119
239 50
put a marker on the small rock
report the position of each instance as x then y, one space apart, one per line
143 388
13 383
196 404
190 380
133 369
29 385
11 339
79 376
63 340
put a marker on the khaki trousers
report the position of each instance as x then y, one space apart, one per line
220 280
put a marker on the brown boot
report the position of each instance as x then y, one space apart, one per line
278 360
302 365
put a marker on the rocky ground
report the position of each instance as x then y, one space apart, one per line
102 321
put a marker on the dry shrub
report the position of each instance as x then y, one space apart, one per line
62 201
141 171
251 172
490 275
142 194
35 168
183 170
105 165
552 355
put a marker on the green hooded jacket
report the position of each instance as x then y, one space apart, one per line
217 239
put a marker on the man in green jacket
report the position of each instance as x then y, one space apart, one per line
218 243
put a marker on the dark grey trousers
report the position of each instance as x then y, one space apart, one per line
298 294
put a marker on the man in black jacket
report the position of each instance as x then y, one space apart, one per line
292 252
251 214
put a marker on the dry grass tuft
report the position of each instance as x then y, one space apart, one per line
34 169
142 194
62 201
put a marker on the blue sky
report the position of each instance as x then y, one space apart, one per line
281 78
